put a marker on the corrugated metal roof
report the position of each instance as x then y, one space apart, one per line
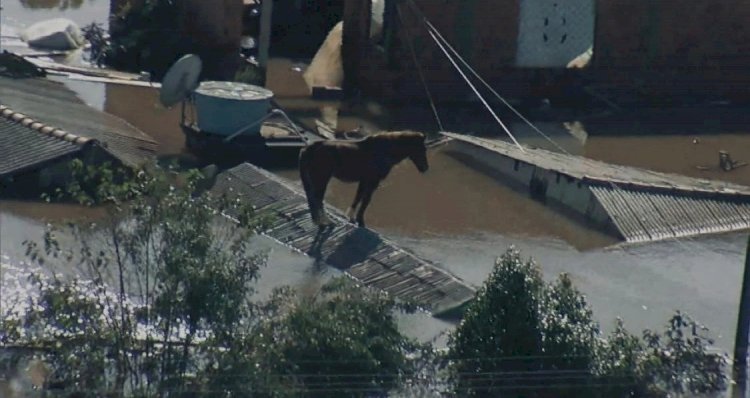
646 216
23 148
362 253
53 104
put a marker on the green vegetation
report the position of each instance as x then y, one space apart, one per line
164 308
523 334
147 38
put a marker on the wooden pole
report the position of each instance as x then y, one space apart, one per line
355 40
743 331
266 12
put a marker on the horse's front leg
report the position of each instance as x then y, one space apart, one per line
367 191
320 194
357 200
319 212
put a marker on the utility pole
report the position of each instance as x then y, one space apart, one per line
266 20
739 370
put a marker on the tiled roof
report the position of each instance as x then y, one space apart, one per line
23 147
52 104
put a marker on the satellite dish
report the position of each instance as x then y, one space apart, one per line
181 79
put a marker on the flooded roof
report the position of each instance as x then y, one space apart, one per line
362 253
52 104
596 171
23 147
640 205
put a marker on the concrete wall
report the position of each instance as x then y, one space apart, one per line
553 32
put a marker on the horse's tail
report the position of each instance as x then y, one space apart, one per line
305 164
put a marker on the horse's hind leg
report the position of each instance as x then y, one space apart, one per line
367 192
357 199
306 175
319 213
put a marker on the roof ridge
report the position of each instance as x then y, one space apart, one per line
51 131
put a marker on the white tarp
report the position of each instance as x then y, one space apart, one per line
327 68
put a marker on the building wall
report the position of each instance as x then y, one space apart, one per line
702 46
483 31
550 187
488 35
553 32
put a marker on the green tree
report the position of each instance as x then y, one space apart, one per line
342 342
146 38
164 306
180 271
524 337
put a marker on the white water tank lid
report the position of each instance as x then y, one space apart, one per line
234 91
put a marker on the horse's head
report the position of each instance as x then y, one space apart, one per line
399 145
418 151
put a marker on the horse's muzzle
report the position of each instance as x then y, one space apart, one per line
423 168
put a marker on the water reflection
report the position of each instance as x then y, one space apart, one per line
140 106
59 4
643 284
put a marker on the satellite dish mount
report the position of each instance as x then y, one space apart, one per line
181 80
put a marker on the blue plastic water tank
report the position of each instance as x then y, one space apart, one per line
226 107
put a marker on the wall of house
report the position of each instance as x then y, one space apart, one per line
489 35
652 48
483 31
698 47
552 32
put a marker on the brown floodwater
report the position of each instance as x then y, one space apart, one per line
462 219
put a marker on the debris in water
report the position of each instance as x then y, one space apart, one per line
727 164
54 34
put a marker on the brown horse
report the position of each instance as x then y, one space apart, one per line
367 161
